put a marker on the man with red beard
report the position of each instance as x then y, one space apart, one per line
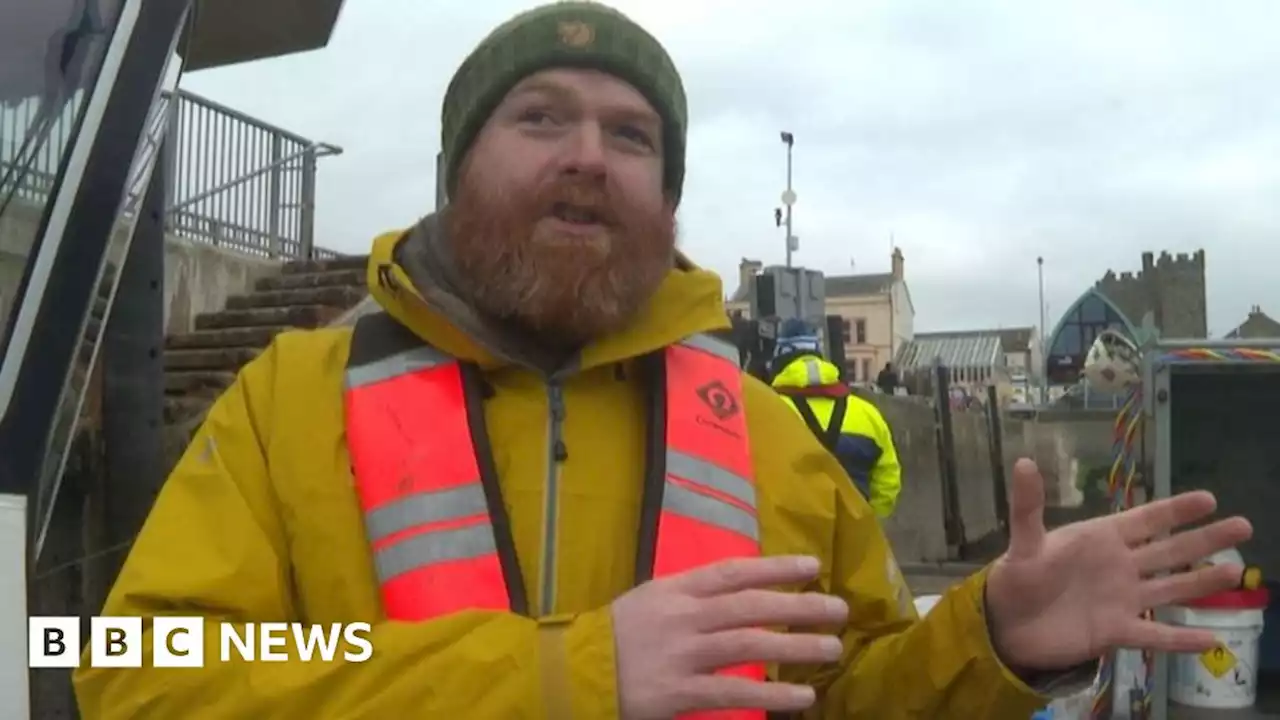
552 495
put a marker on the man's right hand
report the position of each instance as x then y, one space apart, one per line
674 633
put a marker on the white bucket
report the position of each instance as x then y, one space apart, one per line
1225 677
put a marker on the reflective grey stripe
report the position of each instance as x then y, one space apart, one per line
427 507
430 548
407 361
700 472
812 371
713 345
696 506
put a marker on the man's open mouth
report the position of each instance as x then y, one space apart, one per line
576 214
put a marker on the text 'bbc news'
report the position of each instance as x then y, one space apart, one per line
180 642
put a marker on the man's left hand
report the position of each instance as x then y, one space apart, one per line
1058 599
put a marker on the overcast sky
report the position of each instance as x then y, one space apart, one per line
979 134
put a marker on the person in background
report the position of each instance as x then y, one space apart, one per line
552 495
850 427
887 380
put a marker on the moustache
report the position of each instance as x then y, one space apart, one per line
581 198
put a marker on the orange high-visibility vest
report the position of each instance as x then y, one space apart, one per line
433 511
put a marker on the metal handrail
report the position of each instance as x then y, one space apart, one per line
240 116
226 169
319 150
230 170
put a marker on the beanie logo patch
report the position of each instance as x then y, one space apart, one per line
576 34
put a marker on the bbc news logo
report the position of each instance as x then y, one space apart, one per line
54 642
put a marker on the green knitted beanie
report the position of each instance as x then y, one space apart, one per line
563 34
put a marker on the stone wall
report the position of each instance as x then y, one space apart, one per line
916 530
198 277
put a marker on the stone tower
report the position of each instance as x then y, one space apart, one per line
1171 288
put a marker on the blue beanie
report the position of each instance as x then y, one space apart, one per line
796 335
794 328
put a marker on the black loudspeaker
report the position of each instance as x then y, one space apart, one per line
766 296
835 343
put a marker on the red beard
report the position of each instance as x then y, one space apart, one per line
567 283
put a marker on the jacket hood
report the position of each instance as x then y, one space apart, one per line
805 370
411 276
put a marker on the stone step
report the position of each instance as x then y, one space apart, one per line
333 278
302 316
198 382
246 337
348 262
230 359
339 297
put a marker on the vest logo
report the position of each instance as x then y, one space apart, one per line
718 400
576 33
117 642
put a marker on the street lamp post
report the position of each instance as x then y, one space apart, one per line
1044 342
789 195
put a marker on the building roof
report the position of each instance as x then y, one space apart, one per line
840 286
977 349
1092 292
858 285
1014 339
1258 325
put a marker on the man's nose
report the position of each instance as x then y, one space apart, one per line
586 152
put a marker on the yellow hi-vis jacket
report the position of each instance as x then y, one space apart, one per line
864 445
260 522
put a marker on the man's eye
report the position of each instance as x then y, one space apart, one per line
536 117
635 135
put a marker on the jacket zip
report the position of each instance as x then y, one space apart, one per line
556 454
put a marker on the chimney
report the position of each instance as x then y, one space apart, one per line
748 269
896 261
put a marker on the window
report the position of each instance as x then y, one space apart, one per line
860 331
847 329
1068 341
866 370
1079 329
1093 311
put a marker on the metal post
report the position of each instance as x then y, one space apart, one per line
789 235
995 426
1044 346
307 225
274 186
169 152
953 520
132 393
789 196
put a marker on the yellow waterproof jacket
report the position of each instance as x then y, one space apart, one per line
259 522
865 446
